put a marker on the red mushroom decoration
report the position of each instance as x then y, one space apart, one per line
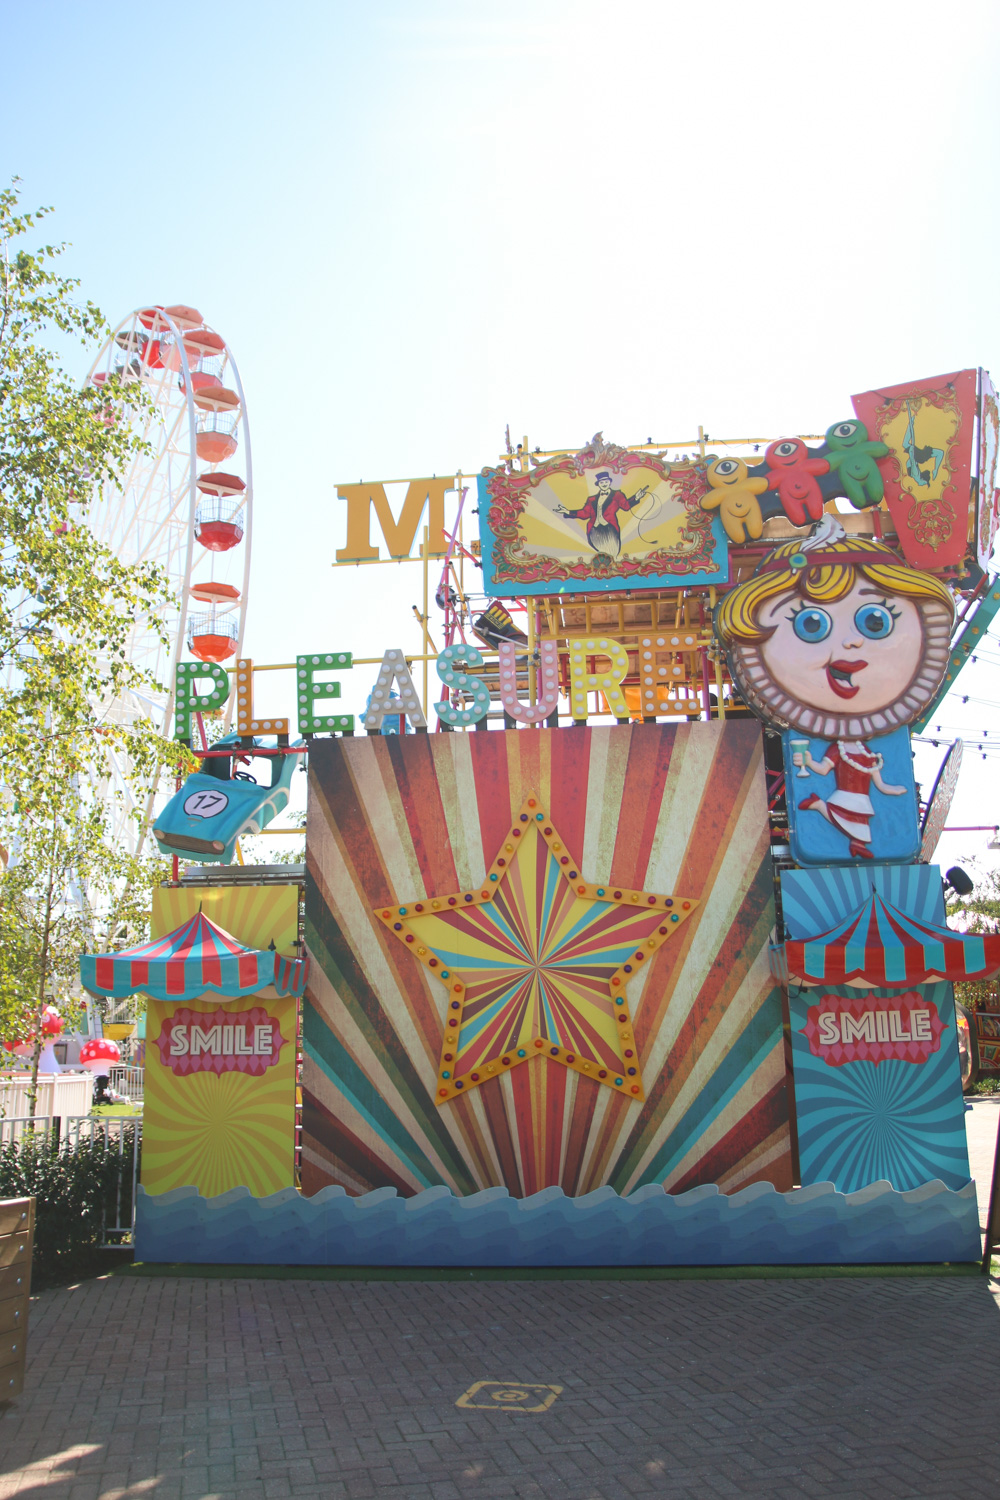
100 1055
52 1021
21 1049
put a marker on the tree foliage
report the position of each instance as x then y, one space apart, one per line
67 604
68 607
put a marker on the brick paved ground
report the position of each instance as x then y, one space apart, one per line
248 1390
255 1390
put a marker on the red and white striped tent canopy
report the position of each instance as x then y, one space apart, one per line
196 958
879 945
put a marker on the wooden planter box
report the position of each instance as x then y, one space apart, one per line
17 1229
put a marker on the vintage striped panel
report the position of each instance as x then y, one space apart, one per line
647 807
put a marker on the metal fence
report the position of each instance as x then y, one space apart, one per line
121 1135
128 1081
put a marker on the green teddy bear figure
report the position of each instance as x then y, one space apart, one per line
852 454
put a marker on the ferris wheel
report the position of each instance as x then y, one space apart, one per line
185 503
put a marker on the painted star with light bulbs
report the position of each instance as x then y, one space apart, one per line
536 962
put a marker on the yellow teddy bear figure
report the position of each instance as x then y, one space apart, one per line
734 494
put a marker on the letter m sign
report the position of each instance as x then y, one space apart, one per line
399 535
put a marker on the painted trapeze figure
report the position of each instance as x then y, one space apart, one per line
915 456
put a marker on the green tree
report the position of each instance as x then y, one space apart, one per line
68 606
68 889
979 912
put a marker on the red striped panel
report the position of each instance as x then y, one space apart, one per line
248 970
211 968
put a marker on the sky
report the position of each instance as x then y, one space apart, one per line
417 221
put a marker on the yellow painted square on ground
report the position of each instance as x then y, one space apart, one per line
508 1395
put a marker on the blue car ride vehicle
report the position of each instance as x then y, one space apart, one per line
218 804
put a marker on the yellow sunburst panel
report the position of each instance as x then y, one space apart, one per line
255 915
218 1131
536 962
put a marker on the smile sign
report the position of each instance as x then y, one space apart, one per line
220 1041
869 1029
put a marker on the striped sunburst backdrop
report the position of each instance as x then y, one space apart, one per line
641 808
219 1131
216 1131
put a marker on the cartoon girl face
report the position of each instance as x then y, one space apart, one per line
850 656
838 639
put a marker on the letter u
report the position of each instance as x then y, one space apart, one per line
548 683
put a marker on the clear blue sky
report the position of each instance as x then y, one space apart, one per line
415 222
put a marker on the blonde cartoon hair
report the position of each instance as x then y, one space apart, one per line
824 575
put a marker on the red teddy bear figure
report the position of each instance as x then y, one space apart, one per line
792 474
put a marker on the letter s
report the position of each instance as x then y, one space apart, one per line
450 658
829 1029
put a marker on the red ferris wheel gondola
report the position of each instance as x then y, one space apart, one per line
218 521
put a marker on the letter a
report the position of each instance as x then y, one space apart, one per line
393 670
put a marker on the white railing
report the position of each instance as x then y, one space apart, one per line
61 1094
13 1127
128 1081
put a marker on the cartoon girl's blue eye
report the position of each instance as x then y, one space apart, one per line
812 624
874 621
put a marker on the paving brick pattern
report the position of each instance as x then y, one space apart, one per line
981 1135
252 1390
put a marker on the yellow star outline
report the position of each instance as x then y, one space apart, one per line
536 962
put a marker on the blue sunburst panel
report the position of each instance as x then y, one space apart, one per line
895 1120
813 901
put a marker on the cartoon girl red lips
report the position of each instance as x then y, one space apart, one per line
836 637
839 675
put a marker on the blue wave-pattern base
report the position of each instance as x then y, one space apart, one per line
808 1226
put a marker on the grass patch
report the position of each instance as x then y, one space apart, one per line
542 1273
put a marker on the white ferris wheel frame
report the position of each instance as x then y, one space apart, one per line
144 472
